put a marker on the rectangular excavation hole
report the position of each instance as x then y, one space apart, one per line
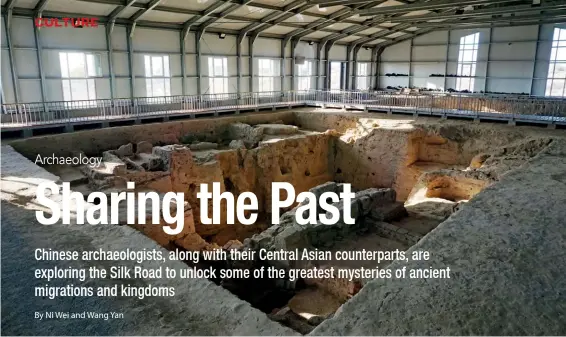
388 225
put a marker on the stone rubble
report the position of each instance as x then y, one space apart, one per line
374 203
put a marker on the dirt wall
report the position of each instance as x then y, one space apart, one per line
379 150
301 160
93 142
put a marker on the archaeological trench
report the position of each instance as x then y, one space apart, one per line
484 199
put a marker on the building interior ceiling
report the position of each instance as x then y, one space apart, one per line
356 23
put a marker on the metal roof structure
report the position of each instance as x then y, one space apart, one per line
355 23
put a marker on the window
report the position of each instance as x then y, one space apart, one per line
78 71
335 76
555 84
268 70
362 76
158 76
218 75
305 72
467 61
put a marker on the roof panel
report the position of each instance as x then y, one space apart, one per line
128 12
317 35
370 31
230 24
73 6
24 3
374 42
358 18
396 34
301 19
201 20
349 38
413 13
389 3
279 30
197 5
278 3
388 24
325 10
251 12
159 16
340 26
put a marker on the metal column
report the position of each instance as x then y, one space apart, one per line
183 41
130 32
109 29
251 41
410 64
327 55
319 47
348 66
355 67
294 43
446 60
15 81
532 89
197 47
239 62
373 65
487 61
283 62
40 66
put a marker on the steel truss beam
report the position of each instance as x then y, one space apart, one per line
134 18
357 45
561 15
376 21
29 13
431 5
338 16
115 13
223 14
207 12
177 10
40 7
276 18
330 3
478 13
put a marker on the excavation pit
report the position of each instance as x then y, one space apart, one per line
423 171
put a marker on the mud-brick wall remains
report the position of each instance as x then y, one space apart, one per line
375 150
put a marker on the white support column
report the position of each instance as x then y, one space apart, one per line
537 45
8 26
447 59
130 33
110 51
488 58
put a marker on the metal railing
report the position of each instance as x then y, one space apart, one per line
540 109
